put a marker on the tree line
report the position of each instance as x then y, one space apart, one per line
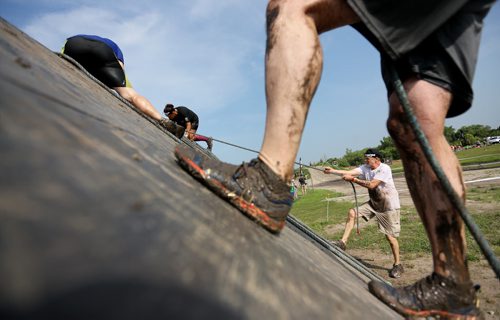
465 136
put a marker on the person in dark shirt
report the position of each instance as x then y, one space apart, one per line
303 184
186 118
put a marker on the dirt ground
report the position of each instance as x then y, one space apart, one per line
417 267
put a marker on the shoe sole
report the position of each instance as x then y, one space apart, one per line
248 208
429 313
436 313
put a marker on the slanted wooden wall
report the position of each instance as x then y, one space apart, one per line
97 221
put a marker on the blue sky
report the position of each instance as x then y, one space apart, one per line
208 55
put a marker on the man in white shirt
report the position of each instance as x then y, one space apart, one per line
383 203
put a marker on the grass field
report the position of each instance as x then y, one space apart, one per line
484 156
312 210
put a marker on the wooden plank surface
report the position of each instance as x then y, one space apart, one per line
97 221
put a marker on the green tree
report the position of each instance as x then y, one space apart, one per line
354 158
466 135
388 149
477 130
469 139
449 133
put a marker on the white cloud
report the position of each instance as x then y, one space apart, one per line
168 56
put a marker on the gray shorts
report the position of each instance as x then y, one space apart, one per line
437 41
389 222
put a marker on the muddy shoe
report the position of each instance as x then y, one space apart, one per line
171 127
179 131
252 187
340 244
209 144
396 271
430 297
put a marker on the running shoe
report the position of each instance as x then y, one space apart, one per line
172 127
396 271
433 296
340 244
252 187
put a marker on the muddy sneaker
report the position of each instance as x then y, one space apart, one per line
180 131
172 127
430 297
252 187
396 271
339 243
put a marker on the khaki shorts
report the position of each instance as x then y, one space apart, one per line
389 222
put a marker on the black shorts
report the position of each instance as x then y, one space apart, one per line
98 59
437 41
430 62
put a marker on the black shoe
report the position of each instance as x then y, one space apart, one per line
179 131
252 187
432 296
172 127
340 244
396 271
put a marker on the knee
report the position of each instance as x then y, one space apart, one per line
274 9
392 240
430 113
284 9
351 214
286 6
274 4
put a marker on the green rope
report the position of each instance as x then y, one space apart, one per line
445 183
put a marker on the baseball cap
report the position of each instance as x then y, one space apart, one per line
373 153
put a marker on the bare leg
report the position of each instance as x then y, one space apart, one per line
138 101
293 69
443 224
394 248
349 225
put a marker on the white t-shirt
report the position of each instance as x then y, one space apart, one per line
385 197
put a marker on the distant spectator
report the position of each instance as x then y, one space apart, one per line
303 184
293 188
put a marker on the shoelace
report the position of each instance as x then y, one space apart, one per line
423 286
241 174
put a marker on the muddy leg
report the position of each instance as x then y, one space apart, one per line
442 223
293 68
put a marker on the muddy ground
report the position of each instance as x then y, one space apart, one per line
419 267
